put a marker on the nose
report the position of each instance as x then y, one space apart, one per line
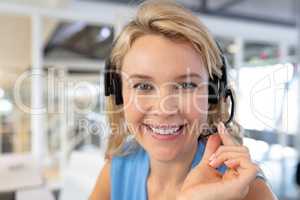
165 103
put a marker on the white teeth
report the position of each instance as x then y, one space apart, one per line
165 131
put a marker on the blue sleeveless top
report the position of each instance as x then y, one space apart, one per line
129 174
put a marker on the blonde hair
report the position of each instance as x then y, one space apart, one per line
172 21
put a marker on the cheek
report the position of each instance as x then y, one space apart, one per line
134 108
136 103
130 112
195 112
194 106
132 118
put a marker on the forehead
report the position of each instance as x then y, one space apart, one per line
162 58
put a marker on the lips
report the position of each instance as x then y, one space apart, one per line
164 129
164 132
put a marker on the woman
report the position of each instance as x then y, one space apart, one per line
156 151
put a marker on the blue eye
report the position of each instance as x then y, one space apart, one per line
143 86
187 85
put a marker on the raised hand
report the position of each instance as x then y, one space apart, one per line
206 182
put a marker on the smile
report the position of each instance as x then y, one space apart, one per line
164 132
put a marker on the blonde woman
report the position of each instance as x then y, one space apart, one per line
165 57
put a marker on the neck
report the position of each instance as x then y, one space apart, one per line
172 173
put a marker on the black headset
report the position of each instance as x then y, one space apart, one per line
217 88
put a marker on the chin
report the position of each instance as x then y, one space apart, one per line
163 154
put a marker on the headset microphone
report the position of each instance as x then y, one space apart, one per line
223 92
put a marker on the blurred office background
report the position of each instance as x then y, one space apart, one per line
52 126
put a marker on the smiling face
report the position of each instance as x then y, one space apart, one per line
165 95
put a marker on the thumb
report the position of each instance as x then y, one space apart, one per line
213 143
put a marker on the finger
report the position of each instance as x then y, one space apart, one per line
223 149
220 159
231 173
226 138
212 145
232 164
246 169
241 170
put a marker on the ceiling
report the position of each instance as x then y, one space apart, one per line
270 11
15 31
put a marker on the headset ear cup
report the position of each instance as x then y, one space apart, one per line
213 90
107 79
112 83
118 89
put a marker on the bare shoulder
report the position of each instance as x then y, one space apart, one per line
102 187
259 189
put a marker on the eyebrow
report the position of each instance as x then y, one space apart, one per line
142 76
191 75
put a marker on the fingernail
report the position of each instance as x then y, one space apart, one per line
219 128
223 128
228 162
212 157
212 162
222 125
226 131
